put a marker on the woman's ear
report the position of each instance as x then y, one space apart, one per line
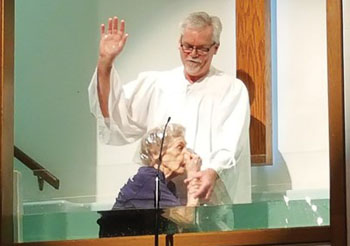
155 157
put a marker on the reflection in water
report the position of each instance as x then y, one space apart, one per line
319 221
59 221
286 200
297 212
308 200
314 208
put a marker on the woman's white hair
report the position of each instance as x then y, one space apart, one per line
150 143
202 20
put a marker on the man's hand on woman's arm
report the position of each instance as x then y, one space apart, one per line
207 179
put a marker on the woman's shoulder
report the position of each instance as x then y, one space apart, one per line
142 177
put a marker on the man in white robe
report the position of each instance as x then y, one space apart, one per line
211 105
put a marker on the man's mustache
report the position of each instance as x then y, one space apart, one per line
193 60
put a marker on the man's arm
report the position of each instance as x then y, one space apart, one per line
111 44
230 142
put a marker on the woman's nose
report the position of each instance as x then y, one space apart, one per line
187 154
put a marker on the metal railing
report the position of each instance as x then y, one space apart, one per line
38 170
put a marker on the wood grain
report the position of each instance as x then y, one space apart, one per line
232 238
6 129
253 41
336 123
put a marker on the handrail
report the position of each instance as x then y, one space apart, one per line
42 173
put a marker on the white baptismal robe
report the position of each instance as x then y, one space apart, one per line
214 111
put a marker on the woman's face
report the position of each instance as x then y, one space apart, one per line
173 161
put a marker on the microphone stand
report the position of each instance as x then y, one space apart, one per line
157 188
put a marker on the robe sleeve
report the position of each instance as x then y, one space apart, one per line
230 156
127 107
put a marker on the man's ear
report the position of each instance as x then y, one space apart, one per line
179 43
216 48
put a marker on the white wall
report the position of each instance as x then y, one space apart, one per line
300 105
54 57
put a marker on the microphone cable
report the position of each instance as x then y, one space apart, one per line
157 188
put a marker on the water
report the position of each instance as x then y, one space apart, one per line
63 220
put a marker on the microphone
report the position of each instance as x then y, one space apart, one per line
161 145
157 188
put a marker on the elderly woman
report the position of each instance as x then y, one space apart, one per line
177 160
131 214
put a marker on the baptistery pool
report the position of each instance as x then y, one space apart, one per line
63 220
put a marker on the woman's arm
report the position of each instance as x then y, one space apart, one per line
185 216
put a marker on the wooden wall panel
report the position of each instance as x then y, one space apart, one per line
336 123
303 235
6 121
254 69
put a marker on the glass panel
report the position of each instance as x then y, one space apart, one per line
60 220
56 46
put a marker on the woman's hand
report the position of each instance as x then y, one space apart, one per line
193 163
200 184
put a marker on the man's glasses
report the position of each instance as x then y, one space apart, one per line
187 48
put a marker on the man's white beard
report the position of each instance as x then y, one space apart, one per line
192 66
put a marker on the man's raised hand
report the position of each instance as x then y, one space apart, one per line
111 44
112 41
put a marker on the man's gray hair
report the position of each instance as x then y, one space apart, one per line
151 142
201 20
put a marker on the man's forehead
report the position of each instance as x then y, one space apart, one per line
191 33
206 30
